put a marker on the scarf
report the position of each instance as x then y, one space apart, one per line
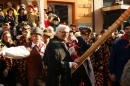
126 38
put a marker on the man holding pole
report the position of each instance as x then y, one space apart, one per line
119 55
58 59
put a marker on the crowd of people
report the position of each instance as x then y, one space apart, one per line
57 48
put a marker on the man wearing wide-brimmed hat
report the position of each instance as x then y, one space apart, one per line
47 36
34 61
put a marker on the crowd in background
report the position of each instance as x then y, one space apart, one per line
17 26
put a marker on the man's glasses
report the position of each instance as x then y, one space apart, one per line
63 32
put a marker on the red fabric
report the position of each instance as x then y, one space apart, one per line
73 43
39 48
126 38
31 6
47 23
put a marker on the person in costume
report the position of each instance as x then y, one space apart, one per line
10 18
25 37
84 74
8 6
22 15
3 67
6 27
2 17
32 16
72 45
10 80
35 66
47 36
22 40
119 55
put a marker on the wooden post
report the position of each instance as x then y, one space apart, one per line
104 37
41 14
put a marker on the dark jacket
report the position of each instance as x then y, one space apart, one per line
34 67
57 59
22 18
2 67
83 44
119 56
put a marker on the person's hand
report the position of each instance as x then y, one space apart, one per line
5 72
113 77
77 60
74 53
74 65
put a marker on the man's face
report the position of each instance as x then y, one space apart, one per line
71 35
55 22
50 14
36 38
10 12
127 31
63 34
9 4
72 28
46 39
30 9
7 37
26 33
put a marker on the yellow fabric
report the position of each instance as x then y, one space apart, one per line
32 17
6 9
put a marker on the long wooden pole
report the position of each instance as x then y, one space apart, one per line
105 36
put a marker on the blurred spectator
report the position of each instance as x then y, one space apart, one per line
50 8
8 5
17 7
25 37
2 18
32 16
3 70
5 27
47 36
46 21
23 6
11 78
33 25
50 29
51 16
22 15
73 27
119 55
55 23
86 34
10 18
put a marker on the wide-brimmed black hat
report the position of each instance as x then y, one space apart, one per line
55 19
10 9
